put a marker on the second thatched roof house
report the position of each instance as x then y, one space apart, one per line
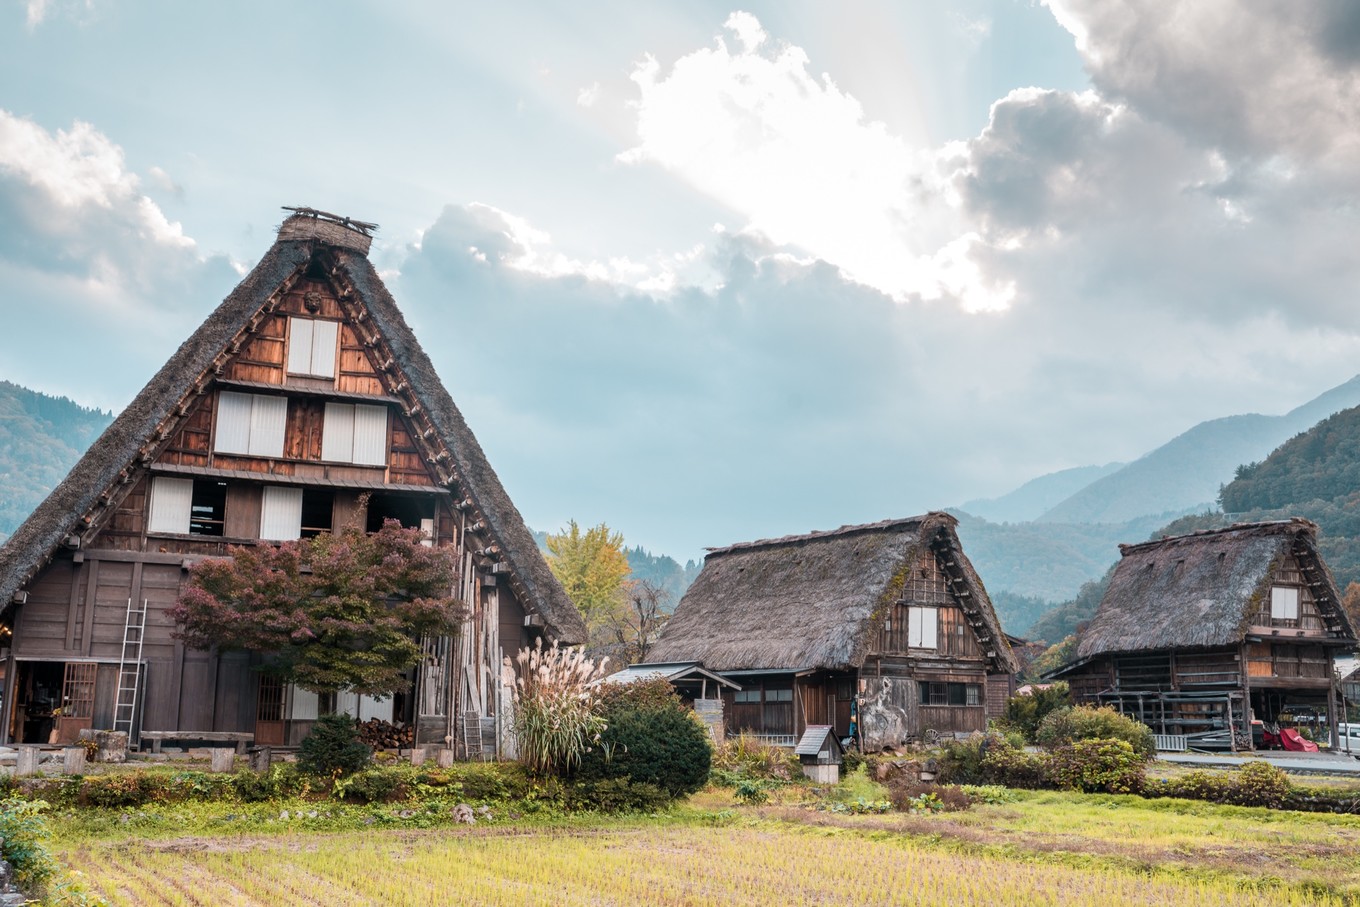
1200 635
883 631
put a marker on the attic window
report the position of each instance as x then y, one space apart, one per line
251 424
923 625
1284 603
311 347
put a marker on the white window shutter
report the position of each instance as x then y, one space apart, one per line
281 513
337 434
930 628
1284 603
300 341
324 334
268 421
923 628
233 423
171 504
370 435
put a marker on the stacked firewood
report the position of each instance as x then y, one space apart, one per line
382 735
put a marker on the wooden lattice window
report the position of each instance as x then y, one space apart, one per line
77 694
270 703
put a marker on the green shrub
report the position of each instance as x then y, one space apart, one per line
1108 766
332 747
281 781
1068 725
1254 784
743 757
376 784
116 791
1025 713
618 795
752 791
1015 767
649 738
22 832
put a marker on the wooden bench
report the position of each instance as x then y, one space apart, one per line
240 738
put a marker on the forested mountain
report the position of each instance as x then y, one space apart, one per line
663 571
1185 474
1315 475
41 438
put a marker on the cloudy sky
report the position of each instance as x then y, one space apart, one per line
714 272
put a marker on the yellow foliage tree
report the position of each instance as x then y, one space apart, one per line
591 566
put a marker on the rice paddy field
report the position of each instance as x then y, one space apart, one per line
1041 849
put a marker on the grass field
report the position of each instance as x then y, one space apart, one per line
1045 848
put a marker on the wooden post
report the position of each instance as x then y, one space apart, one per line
73 760
418 755
223 759
28 761
446 758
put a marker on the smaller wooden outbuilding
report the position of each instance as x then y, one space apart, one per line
821 754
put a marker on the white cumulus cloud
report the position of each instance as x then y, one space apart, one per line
799 160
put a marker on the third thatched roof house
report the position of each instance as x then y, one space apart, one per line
883 631
1199 635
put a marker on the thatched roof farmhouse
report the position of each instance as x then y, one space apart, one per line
883 630
1200 635
302 402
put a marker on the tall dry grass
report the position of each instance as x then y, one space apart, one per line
556 716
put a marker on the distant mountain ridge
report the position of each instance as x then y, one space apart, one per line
1061 555
1035 497
1184 474
41 437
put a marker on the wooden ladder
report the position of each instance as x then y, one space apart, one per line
130 669
472 735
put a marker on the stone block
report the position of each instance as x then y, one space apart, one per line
223 759
73 760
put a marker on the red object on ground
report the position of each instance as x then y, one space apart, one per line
1292 741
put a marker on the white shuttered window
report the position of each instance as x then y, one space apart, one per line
251 424
281 513
171 503
923 625
311 347
355 433
1284 603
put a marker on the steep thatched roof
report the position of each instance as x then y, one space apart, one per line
813 601
1200 590
304 241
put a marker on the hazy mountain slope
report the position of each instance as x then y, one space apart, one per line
1185 473
1036 496
1045 560
41 438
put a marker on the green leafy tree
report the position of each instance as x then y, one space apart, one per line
340 611
592 567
